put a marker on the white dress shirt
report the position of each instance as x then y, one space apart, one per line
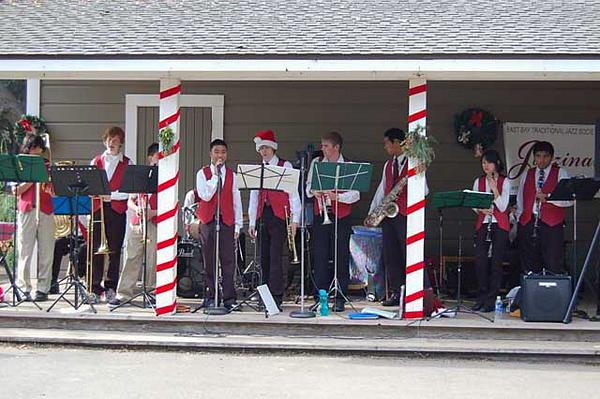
295 204
346 197
562 174
501 202
189 199
207 189
110 165
380 193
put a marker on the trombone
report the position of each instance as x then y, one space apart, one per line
102 248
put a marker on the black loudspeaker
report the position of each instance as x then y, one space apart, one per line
190 270
545 297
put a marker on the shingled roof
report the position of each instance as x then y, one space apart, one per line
297 28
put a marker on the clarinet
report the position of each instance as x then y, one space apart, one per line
488 234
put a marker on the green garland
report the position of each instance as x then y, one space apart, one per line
166 137
419 147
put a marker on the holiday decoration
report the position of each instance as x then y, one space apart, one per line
475 129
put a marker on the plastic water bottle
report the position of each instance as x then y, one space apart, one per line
323 305
498 309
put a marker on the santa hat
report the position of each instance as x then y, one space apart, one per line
266 137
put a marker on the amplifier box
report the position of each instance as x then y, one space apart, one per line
545 297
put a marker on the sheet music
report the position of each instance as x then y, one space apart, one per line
274 178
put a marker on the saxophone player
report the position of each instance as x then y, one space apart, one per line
394 228
540 232
492 229
271 207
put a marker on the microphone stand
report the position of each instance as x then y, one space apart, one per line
216 309
302 313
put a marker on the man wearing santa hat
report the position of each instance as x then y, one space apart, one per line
271 207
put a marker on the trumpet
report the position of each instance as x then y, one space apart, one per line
290 237
323 202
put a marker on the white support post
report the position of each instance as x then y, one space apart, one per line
168 204
415 221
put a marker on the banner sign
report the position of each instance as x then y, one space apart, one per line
573 148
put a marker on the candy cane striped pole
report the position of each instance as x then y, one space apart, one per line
415 219
168 204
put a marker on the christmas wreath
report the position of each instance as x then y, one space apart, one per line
475 129
12 139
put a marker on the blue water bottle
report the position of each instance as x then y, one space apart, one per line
323 305
498 309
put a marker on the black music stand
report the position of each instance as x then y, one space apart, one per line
575 189
141 179
20 169
74 181
460 199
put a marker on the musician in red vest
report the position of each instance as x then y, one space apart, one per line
393 229
34 224
323 234
271 208
115 219
492 229
230 218
134 250
540 234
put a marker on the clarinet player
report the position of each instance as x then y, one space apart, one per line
492 229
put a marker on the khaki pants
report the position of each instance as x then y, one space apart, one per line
28 230
134 254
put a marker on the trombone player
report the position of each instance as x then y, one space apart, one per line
110 210
141 226
275 209
36 222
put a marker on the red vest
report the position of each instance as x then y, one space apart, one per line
550 214
27 200
501 217
119 206
277 199
343 209
206 209
389 184
152 204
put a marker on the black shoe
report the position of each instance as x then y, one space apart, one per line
114 303
477 307
315 306
487 309
54 289
393 300
232 306
40 296
339 305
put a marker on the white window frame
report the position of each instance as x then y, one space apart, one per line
215 102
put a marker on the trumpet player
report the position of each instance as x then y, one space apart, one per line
540 232
393 228
35 224
142 226
492 228
325 209
112 209
271 208
231 221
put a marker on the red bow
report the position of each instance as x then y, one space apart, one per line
475 119
25 125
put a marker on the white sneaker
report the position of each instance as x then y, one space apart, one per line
441 311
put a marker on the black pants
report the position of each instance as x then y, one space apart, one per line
394 251
324 240
114 224
273 233
61 249
226 256
545 251
489 271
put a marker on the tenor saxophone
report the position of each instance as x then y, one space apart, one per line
388 207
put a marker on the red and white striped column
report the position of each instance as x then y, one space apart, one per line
168 204
415 220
